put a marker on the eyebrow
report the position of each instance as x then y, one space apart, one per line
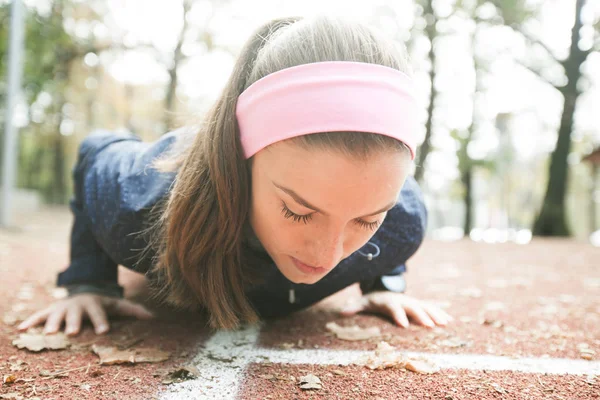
306 204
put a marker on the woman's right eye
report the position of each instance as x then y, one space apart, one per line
287 213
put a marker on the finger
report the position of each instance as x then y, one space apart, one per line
439 316
34 320
399 315
55 319
418 313
73 320
127 308
97 316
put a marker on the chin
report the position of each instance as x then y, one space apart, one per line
307 280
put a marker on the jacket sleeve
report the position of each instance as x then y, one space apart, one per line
405 230
91 267
114 192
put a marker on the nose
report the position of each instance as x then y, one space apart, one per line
328 248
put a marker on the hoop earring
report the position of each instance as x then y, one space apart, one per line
370 256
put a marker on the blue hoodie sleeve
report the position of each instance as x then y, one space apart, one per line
409 235
113 192
89 263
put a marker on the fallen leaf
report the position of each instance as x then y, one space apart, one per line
498 388
353 332
15 396
493 323
8 379
421 366
39 342
111 355
339 372
310 381
384 357
181 374
454 343
18 366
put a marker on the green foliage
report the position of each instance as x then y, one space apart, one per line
47 54
514 12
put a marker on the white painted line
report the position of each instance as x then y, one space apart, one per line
226 354
222 363
472 362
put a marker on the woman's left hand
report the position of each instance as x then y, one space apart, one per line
399 307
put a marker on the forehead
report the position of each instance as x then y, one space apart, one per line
331 178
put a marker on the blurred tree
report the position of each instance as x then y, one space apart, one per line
172 64
431 32
49 55
551 220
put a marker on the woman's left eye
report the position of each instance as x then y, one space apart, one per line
287 213
368 225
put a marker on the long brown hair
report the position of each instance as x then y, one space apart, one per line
198 232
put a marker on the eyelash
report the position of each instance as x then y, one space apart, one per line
287 213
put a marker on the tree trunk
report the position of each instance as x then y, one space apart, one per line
593 210
173 78
425 148
552 218
467 180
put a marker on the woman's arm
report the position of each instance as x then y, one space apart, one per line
406 230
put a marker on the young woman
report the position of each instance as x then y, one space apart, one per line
295 186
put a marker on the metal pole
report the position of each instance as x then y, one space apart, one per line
9 158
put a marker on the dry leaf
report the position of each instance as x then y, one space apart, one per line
386 357
8 379
498 388
13 395
111 355
421 366
454 343
310 381
184 373
353 332
339 372
39 342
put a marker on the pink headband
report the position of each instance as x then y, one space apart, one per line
327 97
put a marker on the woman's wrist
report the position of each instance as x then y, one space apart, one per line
102 289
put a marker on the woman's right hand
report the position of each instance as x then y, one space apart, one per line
73 309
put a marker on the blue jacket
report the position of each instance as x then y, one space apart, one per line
114 190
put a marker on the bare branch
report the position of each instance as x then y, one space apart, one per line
539 75
535 40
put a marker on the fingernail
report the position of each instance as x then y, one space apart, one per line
102 329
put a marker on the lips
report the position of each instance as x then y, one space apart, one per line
307 265
307 268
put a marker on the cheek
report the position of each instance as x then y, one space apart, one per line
272 228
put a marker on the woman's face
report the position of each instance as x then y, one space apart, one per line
315 208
